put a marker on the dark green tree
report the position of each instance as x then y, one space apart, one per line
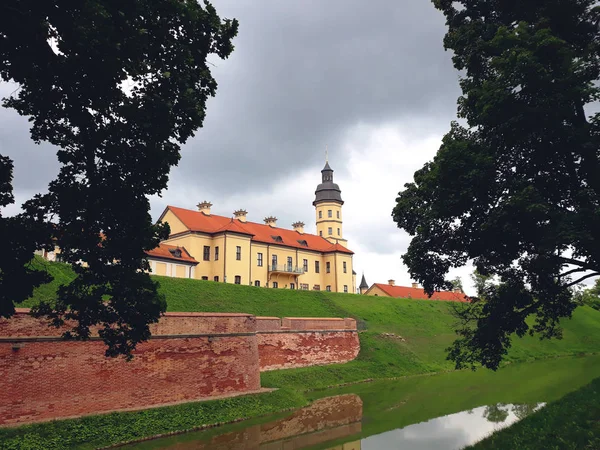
457 284
118 87
516 190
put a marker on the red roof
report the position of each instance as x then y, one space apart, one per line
420 294
166 252
212 224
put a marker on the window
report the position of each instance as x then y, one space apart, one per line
289 264
205 278
321 233
277 238
206 253
345 267
329 231
238 253
303 243
338 231
259 261
216 253
316 266
320 214
275 284
317 287
238 279
329 213
176 252
327 267
346 288
337 214
305 265
292 286
257 283
217 277
328 288
304 286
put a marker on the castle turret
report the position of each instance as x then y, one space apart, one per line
328 208
364 287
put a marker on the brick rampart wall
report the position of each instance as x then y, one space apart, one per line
190 356
299 342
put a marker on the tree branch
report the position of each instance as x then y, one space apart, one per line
589 275
579 269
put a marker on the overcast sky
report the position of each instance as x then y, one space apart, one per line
370 80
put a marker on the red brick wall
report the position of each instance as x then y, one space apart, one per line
300 342
190 356
52 379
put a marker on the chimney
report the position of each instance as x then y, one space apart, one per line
271 221
240 215
415 285
204 207
392 282
299 227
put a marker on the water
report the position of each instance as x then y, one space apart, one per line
448 411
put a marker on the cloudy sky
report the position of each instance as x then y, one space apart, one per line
370 80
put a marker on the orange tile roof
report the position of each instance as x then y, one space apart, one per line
212 224
164 251
420 294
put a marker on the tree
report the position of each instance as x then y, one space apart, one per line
457 284
589 296
480 282
118 87
516 189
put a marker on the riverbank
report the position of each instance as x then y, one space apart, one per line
412 399
399 338
570 423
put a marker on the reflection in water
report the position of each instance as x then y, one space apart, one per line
453 431
325 420
337 421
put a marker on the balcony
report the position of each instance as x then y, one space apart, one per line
286 268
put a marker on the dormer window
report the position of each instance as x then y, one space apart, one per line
176 252
277 238
303 243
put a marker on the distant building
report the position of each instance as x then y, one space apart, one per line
364 287
415 292
235 250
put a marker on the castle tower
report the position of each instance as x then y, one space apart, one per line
364 286
328 208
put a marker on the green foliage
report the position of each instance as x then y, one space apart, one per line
590 296
568 423
518 189
21 235
117 87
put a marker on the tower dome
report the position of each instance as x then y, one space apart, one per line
327 190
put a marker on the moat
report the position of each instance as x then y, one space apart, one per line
444 411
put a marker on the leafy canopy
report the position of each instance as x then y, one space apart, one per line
516 189
118 87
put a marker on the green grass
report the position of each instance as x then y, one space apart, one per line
425 326
573 422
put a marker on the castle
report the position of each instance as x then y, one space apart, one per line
206 246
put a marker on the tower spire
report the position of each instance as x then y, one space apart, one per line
326 155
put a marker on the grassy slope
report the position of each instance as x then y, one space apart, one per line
426 326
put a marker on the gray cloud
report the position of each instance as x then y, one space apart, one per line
303 73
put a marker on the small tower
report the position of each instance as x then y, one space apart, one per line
363 285
328 208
